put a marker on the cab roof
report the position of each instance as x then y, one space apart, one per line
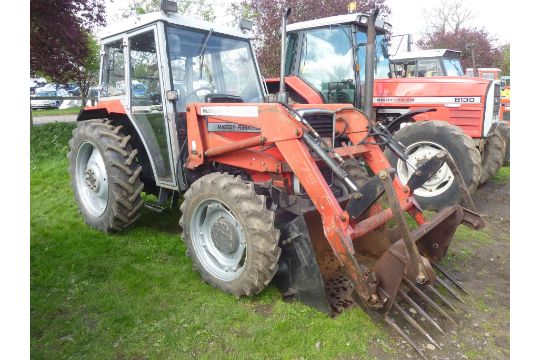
335 20
423 54
136 22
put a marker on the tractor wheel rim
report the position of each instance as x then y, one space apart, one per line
417 154
218 239
91 179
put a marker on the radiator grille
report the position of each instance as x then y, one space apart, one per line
323 123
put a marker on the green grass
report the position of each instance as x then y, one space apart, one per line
134 295
54 112
502 176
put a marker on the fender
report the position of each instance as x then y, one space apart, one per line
299 90
408 116
112 109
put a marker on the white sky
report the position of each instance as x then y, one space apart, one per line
407 16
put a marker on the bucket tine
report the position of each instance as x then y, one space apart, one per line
415 324
419 309
454 281
450 289
395 326
442 298
427 299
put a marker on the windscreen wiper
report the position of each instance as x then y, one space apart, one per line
201 53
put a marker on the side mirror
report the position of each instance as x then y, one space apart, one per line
172 95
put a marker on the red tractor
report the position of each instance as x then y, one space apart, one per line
445 62
271 191
326 63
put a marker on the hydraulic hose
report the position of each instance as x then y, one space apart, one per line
332 164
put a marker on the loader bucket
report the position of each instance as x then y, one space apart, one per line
311 273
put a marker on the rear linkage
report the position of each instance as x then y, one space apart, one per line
414 256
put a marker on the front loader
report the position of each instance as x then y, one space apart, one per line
298 194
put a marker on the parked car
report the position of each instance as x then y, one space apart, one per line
73 89
48 104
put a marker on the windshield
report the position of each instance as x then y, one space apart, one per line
221 65
453 67
326 62
382 62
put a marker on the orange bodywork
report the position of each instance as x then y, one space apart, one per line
505 109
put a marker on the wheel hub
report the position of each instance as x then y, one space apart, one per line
91 180
224 236
218 239
417 154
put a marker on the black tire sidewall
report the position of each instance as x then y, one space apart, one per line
443 136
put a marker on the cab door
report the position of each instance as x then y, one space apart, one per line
146 101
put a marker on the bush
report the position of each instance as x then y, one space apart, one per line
50 141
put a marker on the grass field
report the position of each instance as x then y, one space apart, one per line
134 295
55 112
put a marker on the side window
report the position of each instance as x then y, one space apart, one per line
411 69
145 87
428 68
291 52
113 75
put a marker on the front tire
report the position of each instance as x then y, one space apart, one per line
422 140
229 234
105 176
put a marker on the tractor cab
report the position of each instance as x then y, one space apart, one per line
159 63
427 63
330 55
486 73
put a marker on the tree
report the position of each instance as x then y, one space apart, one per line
266 16
486 53
61 46
448 16
447 27
505 59
201 8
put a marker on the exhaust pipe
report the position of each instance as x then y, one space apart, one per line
370 64
409 42
282 95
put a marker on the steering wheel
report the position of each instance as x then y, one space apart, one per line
194 92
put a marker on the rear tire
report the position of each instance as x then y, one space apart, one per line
493 156
424 139
105 176
505 132
229 234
